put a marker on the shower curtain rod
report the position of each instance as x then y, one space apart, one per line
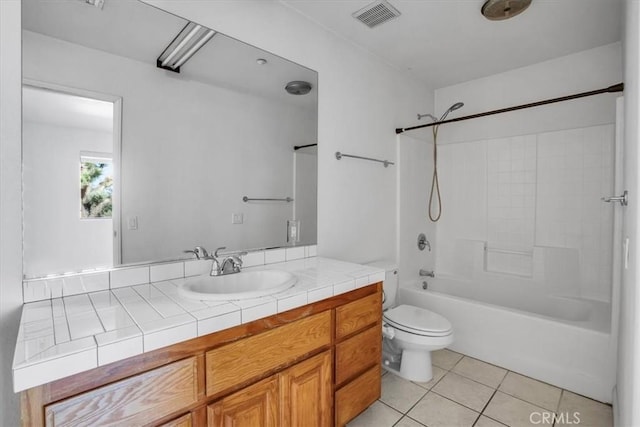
615 88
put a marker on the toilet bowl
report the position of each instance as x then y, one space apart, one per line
410 333
415 333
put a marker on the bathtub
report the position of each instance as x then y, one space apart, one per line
558 339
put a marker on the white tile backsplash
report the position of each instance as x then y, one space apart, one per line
294 253
253 259
161 272
272 256
129 277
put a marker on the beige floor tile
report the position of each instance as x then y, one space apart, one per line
464 391
533 391
487 422
438 373
479 371
399 393
590 412
436 411
445 358
378 415
515 412
408 422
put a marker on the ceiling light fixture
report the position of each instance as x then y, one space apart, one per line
190 39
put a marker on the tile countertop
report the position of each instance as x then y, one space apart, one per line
64 336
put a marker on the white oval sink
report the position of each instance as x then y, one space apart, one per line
243 285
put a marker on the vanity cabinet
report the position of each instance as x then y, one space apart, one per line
317 365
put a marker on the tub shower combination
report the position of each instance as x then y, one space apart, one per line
538 293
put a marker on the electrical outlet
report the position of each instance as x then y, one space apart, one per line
237 218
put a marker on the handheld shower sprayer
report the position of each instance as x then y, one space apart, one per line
454 107
435 185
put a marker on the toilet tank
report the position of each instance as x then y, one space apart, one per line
390 284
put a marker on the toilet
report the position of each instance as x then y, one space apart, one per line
410 333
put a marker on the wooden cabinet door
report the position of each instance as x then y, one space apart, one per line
256 405
306 393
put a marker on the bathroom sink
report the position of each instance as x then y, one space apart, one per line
243 285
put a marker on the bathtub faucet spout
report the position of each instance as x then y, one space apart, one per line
427 273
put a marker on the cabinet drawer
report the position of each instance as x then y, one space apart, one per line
357 395
358 353
357 315
184 421
134 401
252 357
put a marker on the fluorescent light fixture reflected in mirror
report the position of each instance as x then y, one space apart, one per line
190 39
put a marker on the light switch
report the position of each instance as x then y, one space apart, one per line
132 223
237 218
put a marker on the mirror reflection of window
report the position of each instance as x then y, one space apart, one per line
96 186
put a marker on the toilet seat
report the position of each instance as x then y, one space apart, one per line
418 321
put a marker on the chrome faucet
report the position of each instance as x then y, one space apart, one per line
199 252
427 273
229 265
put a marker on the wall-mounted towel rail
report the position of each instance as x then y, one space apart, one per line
286 199
386 163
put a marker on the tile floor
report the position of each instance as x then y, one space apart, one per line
468 392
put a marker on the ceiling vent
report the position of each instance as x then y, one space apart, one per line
376 13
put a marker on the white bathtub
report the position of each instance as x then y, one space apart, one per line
559 340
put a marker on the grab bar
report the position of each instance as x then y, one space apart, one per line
286 199
386 163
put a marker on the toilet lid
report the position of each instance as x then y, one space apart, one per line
418 321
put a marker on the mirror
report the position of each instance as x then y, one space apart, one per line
126 162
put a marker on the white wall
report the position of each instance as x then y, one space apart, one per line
361 102
580 72
56 239
10 203
183 183
627 410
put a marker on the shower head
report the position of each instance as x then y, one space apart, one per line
454 107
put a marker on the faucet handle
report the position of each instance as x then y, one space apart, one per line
191 251
221 248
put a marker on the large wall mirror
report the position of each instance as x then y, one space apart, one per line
131 154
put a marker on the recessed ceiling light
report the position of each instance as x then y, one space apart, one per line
261 61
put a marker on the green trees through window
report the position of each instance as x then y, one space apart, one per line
96 188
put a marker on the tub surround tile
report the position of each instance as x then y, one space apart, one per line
590 412
399 393
125 320
436 411
480 371
445 358
513 412
377 414
462 390
532 391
